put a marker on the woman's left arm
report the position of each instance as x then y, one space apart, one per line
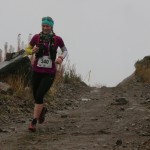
64 52
60 58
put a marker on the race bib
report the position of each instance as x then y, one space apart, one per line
44 62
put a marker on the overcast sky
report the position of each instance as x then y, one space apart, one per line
105 37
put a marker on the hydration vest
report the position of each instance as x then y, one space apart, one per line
51 49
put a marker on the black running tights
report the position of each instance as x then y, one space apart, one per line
41 83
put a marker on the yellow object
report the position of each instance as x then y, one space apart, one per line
29 50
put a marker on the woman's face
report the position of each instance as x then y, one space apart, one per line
46 29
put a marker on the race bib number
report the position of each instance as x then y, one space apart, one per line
44 62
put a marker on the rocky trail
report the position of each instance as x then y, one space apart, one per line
106 118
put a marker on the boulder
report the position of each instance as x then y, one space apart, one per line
16 64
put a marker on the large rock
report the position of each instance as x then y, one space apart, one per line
16 63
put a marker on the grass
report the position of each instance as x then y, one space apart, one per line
16 82
143 69
22 97
65 74
71 76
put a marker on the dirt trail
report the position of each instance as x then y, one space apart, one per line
105 119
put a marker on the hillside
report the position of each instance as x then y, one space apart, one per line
82 117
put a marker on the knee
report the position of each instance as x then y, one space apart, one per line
38 99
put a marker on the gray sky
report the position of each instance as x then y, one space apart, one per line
104 36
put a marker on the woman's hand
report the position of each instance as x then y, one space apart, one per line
59 60
35 50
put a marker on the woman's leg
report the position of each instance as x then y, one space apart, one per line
39 91
37 110
36 79
44 85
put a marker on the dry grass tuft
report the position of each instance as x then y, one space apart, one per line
58 80
64 75
20 91
143 69
16 81
71 76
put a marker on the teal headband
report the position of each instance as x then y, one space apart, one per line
48 21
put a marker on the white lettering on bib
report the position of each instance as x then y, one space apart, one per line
44 62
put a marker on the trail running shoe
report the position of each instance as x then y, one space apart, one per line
32 127
42 115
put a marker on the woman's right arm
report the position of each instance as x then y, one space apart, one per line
31 48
